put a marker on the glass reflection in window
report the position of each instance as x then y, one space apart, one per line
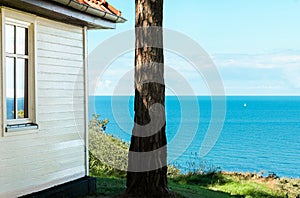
9 38
21 41
10 88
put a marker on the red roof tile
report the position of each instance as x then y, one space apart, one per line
102 5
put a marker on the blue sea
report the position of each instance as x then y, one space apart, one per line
258 133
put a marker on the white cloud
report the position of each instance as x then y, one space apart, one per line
264 60
292 75
10 92
103 82
274 73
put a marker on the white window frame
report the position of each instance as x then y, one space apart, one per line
26 125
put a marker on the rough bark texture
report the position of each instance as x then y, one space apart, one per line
149 90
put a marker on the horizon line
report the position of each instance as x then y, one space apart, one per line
228 95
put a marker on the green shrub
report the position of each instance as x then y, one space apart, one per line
108 155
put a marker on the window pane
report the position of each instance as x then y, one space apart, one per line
9 38
21 40
22 88
10 86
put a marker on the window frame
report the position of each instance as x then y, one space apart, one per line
25 125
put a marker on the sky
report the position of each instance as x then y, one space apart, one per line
253 44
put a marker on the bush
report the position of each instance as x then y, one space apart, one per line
108 155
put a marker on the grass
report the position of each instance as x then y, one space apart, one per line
196 190
248 189
112 187
220 185
224 185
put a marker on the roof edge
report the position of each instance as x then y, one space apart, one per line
90 10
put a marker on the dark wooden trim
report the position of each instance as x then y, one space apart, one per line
78 188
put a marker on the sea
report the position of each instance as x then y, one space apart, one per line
258 134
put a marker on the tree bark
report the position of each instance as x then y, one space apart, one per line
147 163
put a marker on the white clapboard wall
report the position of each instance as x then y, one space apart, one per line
56 153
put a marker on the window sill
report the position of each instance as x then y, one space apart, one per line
21 128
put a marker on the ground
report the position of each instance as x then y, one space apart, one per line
221 185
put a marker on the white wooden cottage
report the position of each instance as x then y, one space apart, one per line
43 89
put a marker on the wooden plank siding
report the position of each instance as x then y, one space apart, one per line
1 86
56 153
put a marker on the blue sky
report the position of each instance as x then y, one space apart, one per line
255 45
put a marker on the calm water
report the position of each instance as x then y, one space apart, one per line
259 133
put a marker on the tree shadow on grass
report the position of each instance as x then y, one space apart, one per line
110 187
114 187
197 186
202 180
187 191
193 186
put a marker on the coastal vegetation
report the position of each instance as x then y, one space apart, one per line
108 161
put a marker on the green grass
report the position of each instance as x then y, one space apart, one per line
221 185
112 187
248 189
194 190
209 186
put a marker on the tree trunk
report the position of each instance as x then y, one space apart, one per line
147 163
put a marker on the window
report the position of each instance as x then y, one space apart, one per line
18 73
16 49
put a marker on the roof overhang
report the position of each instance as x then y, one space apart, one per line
67 11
